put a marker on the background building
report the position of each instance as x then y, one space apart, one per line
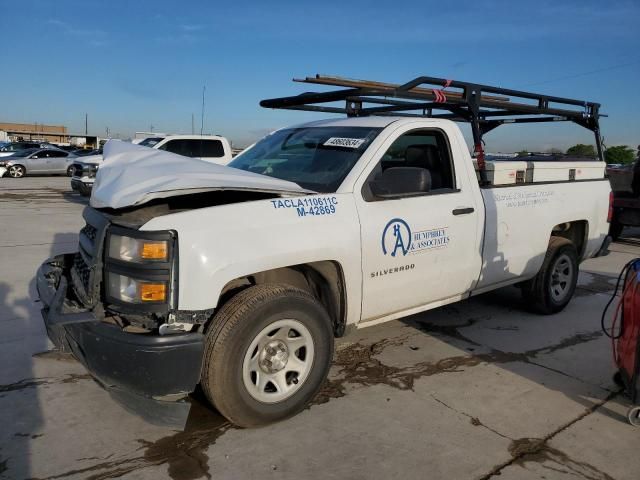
57 134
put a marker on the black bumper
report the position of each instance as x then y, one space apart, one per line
79 186
157 366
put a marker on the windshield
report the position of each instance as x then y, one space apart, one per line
316 158
151 141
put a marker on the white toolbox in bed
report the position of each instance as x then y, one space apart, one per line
554 171
507 172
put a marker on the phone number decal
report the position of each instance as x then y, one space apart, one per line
308 206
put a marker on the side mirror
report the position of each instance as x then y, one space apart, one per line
395 182
35 156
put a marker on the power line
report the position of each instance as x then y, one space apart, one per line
591 72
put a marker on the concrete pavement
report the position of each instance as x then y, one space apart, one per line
470 391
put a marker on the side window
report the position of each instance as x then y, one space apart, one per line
418 162
193 148
175 146
56 153
212 148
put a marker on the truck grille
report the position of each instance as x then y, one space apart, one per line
86 271
83 271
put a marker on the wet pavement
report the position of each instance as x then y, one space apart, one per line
476 390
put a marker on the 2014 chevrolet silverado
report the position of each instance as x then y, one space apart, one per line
239 277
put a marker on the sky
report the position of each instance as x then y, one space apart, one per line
133 65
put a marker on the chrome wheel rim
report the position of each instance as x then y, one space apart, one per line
278 361
561 277
16 171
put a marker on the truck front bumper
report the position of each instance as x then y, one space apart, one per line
158 366
81 185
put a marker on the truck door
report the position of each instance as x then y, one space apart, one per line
420 247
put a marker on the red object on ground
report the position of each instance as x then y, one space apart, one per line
627 341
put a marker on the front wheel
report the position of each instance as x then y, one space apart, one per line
267 353
553 287
17 171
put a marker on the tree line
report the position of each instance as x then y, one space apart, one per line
618 154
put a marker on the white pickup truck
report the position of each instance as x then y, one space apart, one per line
210 148
239 277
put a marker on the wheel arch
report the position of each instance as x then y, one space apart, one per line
576 231
323 279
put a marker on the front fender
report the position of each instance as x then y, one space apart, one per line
219 244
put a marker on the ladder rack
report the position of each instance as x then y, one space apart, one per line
483 106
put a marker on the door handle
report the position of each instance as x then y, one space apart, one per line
463 211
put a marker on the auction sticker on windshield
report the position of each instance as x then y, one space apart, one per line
344 142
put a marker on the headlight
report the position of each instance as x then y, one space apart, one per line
138 250
131 290
141 269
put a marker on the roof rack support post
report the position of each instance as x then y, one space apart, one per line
353 108
595 114
471 94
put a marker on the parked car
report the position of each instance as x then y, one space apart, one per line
38 161
238 279
13 147
211 148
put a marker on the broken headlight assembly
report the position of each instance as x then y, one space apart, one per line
141 270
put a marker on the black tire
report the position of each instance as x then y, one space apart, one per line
238 323
546 294
70 171
615 229
16 171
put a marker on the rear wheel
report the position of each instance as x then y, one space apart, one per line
17 171
70 171
553 287
267 353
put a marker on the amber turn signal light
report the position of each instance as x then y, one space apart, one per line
154 251
153 292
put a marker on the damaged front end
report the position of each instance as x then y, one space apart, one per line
112 304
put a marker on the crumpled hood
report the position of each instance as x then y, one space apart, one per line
133 175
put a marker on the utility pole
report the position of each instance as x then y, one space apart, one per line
192 125
151 128
204 88
86 124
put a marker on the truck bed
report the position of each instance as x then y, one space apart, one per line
513 250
